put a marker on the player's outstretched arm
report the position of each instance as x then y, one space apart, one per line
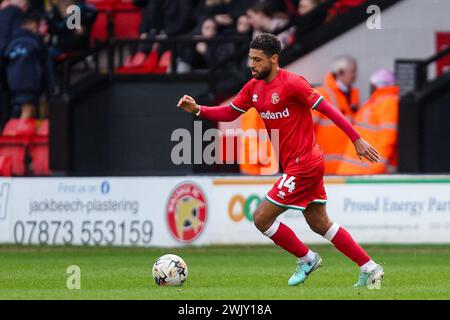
188 104
362 147
219 113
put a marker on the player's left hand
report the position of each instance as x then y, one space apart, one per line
188 104
364 149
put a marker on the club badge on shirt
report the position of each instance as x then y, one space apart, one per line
275 98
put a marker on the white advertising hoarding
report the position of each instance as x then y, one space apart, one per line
178 211
98 211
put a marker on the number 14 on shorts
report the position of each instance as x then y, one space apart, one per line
287 182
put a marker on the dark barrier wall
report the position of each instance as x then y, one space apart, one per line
436 151
120 128
141 121
424 130
409 135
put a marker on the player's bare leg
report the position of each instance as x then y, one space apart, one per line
265 219
317 218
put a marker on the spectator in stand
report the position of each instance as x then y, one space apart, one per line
65 40
166 18
224 12
25 67
243 26
262 21
311 14
279 8
161 19
204 55
11 15
244 30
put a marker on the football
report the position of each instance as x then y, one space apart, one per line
170 270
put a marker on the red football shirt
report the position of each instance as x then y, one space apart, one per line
285 104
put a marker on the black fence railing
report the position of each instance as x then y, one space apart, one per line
64 66
412 74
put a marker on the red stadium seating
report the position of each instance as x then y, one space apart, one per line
164 62
39 151
343 6
99 30
5 166
21 128
125 16
127 19
151 64
14 142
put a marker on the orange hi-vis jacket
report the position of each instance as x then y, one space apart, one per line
331 139
376 122
257 159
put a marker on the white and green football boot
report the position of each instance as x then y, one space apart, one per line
371 280
303 270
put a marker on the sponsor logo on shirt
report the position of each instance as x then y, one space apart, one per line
275 115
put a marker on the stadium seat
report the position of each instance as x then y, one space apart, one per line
343 6
14 143
125 16
136 60
99 31
150 64
5 166
127 19
164 62
39 151
21 128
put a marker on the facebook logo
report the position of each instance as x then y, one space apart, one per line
105 187
4 195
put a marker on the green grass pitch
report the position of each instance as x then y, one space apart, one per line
229 272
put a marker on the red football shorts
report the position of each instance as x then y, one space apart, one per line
297 191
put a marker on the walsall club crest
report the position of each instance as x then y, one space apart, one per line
275 98
186 212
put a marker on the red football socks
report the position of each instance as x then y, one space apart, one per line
344 242
284 237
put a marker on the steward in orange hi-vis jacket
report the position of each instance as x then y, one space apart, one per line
376 122
258 159
338 91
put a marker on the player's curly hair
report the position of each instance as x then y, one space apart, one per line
268 43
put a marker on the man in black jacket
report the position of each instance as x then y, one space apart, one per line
165 18
11 16
25 67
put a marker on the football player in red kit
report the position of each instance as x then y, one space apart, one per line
284 101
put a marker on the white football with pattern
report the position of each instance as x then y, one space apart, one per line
170 270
